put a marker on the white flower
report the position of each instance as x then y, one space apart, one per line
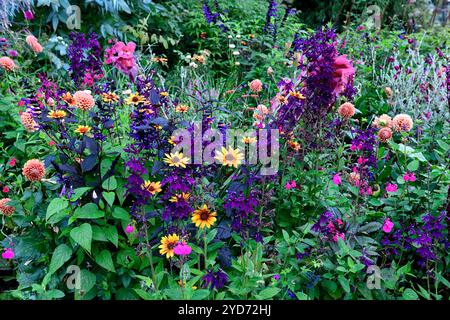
230 36
236 53
193 65
238 36
232 46
237 63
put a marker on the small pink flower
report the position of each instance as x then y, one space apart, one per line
256 85
129 229
337 180
28 15
362 160
182 249
5 189
388 225
8 254
51 143
12 162
291 185
338 236
409 177
391 187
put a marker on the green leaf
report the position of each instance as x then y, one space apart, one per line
88 211
200 294
418 156
110 184
120 213
268 293
410 294
60 256
109 197
344 283
83 236
413 165
56 206
111 234
79 192
104 259
441 278
370 227
87 280
211 235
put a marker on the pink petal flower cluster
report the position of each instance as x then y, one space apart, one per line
34 44
182 249
121 55
256 85
129 229
391 187
409 176
337 180
388 225
343 73
8 254
291 185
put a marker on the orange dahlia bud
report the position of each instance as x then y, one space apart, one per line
385 134
7 63
402 122
389 92
34 44
34 170
346 110
5 209
256 85
28 122
84 100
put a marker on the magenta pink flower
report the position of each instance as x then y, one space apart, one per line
129 229
121 55
291 185
28 15
409 177
337 236
388 225
8 254
337 180
182 249
391 187
343 73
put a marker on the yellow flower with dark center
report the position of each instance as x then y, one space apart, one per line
110 97
204 217
168 243
231 157
297 95
152 187
135 99
182 108
82 130
57 114
249 140
163 93
181 196
176 159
